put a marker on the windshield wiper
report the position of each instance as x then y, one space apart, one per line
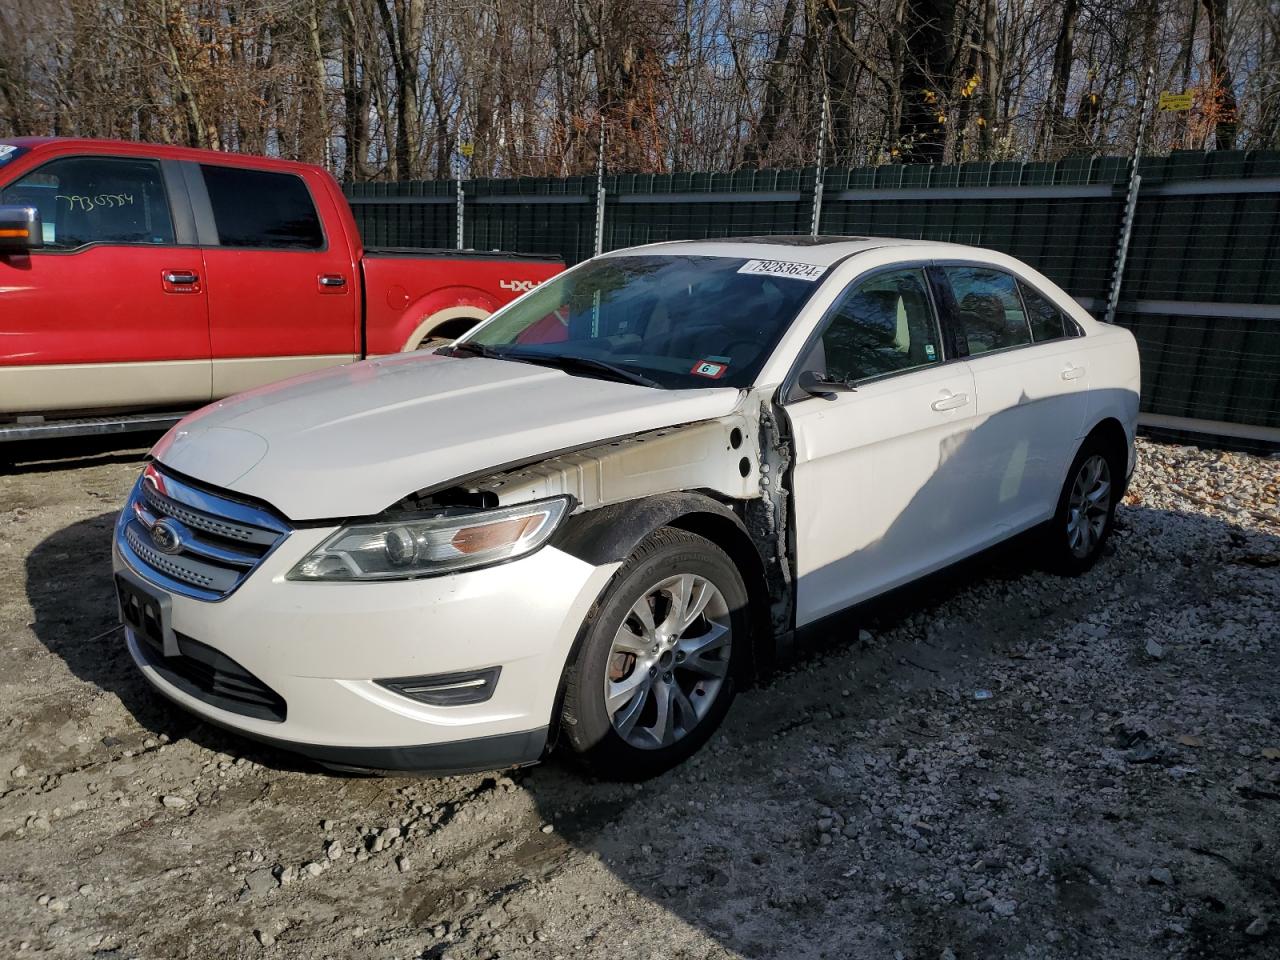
470 349
569 362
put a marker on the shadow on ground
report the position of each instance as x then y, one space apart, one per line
867 802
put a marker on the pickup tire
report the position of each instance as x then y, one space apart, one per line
659 663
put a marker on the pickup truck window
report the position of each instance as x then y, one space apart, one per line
677 321
255 208
85 200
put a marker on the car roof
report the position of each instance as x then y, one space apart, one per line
818 251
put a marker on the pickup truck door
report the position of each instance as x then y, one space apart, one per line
284 288
111 313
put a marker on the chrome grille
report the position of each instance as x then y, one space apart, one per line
191 541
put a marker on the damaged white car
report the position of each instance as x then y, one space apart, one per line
599 513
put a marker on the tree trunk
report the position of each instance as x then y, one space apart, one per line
929 26
757 147
1224 95
1054 127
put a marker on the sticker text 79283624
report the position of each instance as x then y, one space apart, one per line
784 268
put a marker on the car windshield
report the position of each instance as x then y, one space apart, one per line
676 322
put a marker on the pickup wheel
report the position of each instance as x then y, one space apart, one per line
658 666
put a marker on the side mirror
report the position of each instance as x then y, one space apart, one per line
20 229
816 386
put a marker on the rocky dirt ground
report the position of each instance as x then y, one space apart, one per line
999 763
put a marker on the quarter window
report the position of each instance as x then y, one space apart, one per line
990 310
1047 321
85 200
255 208
882 325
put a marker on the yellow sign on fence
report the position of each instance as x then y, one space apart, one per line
1177 101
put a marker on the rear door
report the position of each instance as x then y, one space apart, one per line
111 313
1031 380
881 476
283 290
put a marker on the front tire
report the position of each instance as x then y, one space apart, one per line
658 666
1086 510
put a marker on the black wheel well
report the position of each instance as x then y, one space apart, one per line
451 329
1110 435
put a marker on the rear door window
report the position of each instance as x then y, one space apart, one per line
263 210
989 308
84 200
1047 321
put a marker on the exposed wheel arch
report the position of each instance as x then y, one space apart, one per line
611 533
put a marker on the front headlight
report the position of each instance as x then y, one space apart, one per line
401 549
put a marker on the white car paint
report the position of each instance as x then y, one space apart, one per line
885 487
363 428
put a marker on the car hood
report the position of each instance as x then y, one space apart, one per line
352 440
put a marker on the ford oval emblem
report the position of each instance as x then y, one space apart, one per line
165 537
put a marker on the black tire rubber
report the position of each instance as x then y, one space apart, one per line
585 723
1055 546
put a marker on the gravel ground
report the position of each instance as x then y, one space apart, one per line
997 763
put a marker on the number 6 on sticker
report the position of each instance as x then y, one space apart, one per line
709 369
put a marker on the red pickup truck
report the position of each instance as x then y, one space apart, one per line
139 281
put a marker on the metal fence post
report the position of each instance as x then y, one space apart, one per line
599 244
1130 206
460 202
817 182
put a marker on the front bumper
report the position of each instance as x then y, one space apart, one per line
321 646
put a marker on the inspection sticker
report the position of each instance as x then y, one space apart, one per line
784 268
710 369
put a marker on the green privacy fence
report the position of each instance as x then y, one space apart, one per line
1200 290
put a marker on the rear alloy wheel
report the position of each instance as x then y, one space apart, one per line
1086 512
656 671
1089 506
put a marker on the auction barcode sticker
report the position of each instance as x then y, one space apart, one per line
784 268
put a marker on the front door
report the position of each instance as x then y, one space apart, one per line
111 313
881 472
283 294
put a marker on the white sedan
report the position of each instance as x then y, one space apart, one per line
599 513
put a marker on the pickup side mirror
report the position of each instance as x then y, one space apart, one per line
20 229
816 386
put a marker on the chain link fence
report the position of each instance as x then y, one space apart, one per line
1200 287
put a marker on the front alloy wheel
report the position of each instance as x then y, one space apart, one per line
668 661
656 669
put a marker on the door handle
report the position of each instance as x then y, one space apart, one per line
182 278
1072 373
332 280
951 402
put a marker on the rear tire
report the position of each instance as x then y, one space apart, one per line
659 661
1075 537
